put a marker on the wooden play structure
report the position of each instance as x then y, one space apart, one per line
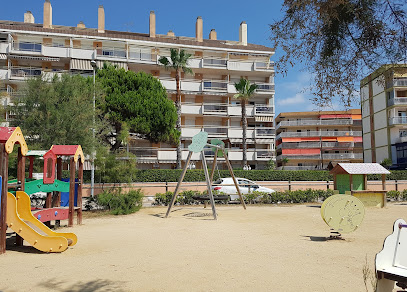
351 178
391 261
15 210
199 141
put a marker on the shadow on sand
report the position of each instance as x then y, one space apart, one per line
94 285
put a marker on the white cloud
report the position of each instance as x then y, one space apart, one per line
296 99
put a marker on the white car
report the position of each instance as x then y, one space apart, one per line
226 185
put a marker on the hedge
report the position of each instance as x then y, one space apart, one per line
172 175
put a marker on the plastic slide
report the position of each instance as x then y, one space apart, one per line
21 220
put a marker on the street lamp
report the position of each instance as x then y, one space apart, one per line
92 168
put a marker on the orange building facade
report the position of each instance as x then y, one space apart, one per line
313 140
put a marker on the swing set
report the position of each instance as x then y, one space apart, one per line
199 142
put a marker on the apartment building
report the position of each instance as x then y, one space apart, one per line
29 49
383 97
312 140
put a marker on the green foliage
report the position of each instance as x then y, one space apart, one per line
120 203
111 168
179 61
393 195
245 89
163 198
56 111
271 165
340 40
137 102
386 163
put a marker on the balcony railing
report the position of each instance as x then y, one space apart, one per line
340 156
264 87
334 145
304 167
320 133
316 123
264 110
398 121
264 154
398 100
217 85
25 72
400 82
301 157
27 47
213 62
215 108
265 132
141 55
112 52
216 131
264 65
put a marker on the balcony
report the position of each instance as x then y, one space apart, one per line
29 47
264 110
217 63
4 47
56 51
299 123
215 109
398 101
141 56
111 52
265 132
236 110
23 73
264 66
264 88
398 121
84 52
319 134
243 65
191 108
264 155
213 131
3 73
300 157
304 167
341 156
215 85
400 82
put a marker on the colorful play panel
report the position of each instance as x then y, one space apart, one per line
351 178
15 209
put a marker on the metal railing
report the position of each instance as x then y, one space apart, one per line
320 133
264 110
316 122
340 156
215 108
25 71
264 65
141 55
302 157
215 85
400 82
266 154
265 132
398 121
111 52
214 62
398 100
27 46
216 131
264 87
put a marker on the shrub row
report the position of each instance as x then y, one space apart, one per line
397 195
118 203
172 175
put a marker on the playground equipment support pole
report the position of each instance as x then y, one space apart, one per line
71 192
214 165
179 184
92 171
4 189
208 184
79 199
20 178
234 179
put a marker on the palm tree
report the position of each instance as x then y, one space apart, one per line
178 62
245 90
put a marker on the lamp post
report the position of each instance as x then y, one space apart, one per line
92 169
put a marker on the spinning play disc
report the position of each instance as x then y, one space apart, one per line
343 213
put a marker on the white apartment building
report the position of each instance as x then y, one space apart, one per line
384 115
29 49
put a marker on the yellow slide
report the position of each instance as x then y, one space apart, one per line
21 220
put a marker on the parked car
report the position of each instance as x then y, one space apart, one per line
226 185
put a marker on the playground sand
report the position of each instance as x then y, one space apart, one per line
265 248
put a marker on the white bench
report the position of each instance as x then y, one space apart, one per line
391 261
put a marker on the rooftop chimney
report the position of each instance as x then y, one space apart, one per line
152 24
101 19
243 33
170 33
81 25
28 17
212 35
199 29
47 21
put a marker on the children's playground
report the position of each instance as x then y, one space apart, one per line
339 245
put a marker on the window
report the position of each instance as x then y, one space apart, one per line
403 133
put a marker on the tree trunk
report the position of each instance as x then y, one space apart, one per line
178 124
244 126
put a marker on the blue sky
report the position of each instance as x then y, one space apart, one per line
224 16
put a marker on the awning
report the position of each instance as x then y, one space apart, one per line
357 139
332 139
345 139
356 117
119 65
312 151
263 119
3 57
36 58
79 64
292 139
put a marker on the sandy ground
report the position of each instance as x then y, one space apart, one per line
265 248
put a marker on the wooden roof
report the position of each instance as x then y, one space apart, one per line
10 136
359 168
68 150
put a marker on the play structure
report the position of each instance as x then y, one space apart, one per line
199 142
391 261
15 210
351 178
343 213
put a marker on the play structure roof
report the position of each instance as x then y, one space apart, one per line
36 153
359 168
68 150
11 135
